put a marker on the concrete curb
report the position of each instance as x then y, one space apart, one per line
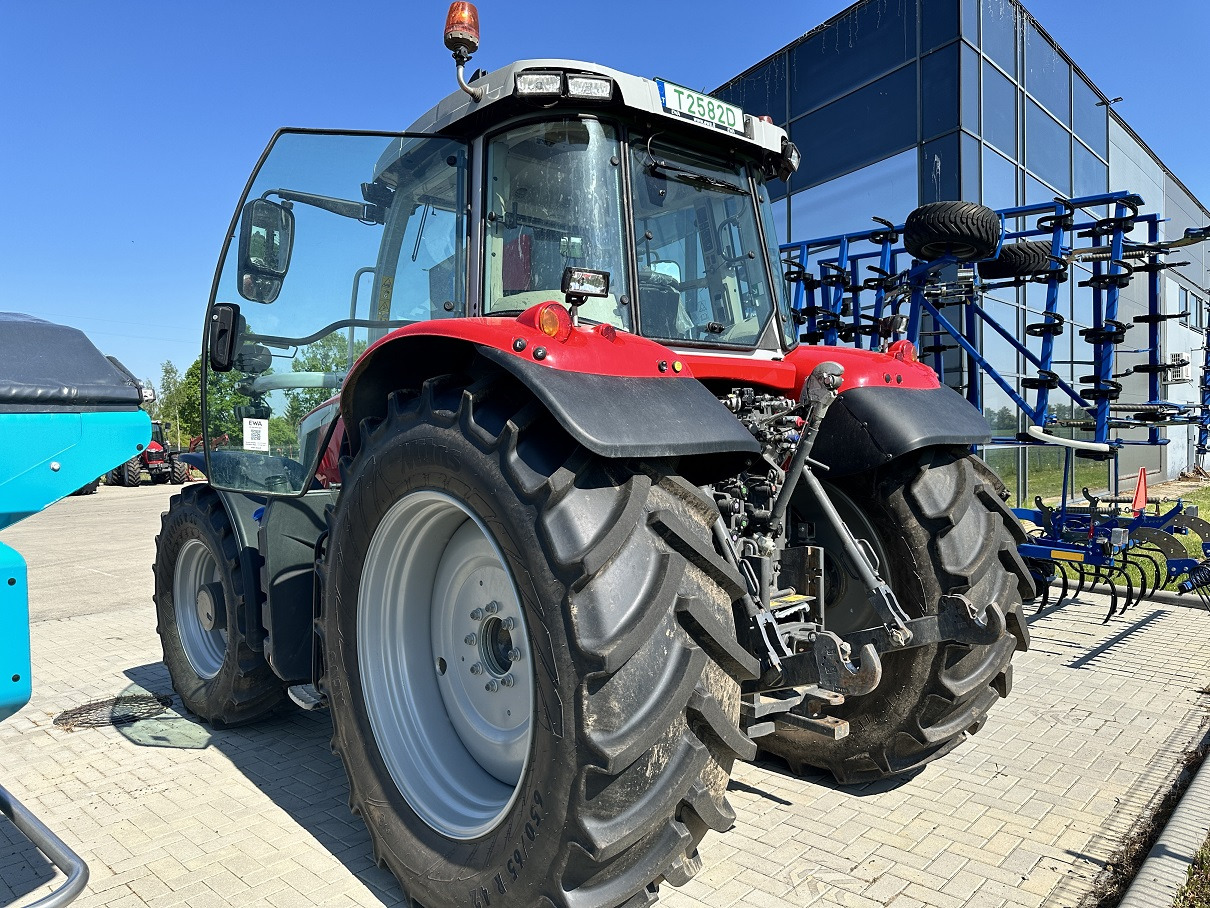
1167 864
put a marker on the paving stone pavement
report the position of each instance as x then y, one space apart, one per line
168 812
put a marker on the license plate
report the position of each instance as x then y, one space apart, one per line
692 105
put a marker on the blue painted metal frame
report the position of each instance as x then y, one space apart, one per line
845 312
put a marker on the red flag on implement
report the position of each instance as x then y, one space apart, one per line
1139 505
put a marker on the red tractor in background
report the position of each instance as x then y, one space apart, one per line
586 521
162 463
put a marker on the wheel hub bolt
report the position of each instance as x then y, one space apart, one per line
477 669
509 623
508 680
477 615
492 686
514 654
470 639
491 608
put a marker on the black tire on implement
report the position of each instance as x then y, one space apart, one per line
943 528
129 472
628 614
966 230
1018 260
231 684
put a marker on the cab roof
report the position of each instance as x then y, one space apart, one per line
633 92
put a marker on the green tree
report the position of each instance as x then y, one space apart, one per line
328 354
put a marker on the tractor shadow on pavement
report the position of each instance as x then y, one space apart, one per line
288 758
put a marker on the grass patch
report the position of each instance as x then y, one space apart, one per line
1196 891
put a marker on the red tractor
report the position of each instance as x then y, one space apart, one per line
586 521
162 463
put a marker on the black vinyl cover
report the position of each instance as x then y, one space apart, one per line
44 366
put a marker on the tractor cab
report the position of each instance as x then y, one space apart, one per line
634 204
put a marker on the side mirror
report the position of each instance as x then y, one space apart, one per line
266 236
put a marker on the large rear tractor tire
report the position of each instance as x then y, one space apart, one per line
200 601
529 655
938 526
966 230
129 473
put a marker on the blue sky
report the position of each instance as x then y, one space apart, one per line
129 129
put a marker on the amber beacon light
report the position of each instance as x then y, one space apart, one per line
462 38
462 29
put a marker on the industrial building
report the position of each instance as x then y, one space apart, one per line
895 104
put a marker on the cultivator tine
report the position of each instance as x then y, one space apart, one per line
1083 578
1130 600
1063 589
1113 595
1159 574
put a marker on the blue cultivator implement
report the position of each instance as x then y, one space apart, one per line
866 289
67 414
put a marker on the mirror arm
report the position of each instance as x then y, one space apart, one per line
359 211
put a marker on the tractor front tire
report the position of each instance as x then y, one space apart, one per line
129 473
939 526
180 472
965 230
524 651
201 600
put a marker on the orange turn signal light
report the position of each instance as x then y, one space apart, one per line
554 322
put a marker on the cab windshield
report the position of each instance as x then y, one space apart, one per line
700 256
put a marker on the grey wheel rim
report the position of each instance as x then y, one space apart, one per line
446 672
195 567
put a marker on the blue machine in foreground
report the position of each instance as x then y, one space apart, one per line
67 414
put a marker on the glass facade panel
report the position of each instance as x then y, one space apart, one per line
1000 33
863 127
887 189
1089 121
762 92
999 180
1091 173
970 88
999 352
1003 462
1036 191
970 20
1047 148
1047 74
939 170
1043 472
868 41
969 180
999 110
939 91
938 23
